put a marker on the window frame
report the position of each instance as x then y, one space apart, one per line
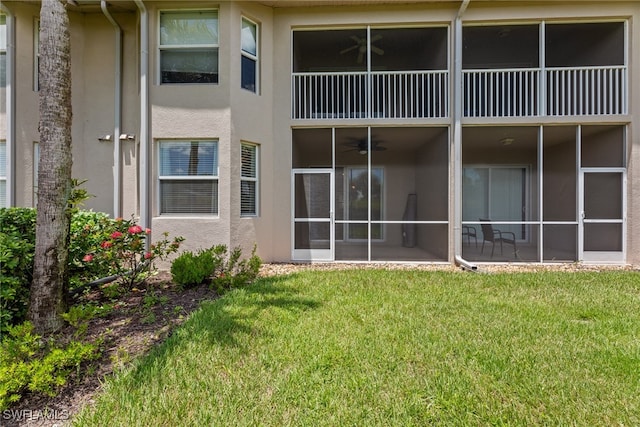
193 47
215 178
255 179
254 58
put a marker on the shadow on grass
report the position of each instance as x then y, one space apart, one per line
222 322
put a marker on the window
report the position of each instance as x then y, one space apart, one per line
3 174
249 180
189 47
3 50
188 175
249 58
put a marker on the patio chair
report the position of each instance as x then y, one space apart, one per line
493 235
470 231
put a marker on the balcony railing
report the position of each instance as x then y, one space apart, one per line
516 92
586 90
524 92
360 95
501 93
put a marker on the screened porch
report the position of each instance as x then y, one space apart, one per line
544 69
370 194
370 73
544 193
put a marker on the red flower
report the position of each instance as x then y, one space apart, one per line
135 229
116 234
148 255
106 244
87 258
147 230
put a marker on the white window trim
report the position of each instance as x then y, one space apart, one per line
255 179
162 47
213 178
255 57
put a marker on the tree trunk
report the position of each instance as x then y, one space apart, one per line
48 288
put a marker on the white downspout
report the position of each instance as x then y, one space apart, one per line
457 141
117 148
145 203
10 92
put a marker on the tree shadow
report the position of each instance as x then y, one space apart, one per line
226 320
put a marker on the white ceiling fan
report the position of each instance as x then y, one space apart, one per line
361 47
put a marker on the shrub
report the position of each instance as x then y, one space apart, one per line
99 246
17 244
28 365
119 249
234 271
191 269
226 269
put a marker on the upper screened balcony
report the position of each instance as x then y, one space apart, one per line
370 73
550 69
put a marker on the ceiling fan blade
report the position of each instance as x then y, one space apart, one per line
349 49
377 50
376 38
360 57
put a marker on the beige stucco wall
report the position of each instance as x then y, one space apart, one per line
231 115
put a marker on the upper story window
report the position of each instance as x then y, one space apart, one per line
189 46
249 52
3 50
249 180
188 177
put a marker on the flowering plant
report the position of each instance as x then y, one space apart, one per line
118 247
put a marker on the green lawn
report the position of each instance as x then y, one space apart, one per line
395 348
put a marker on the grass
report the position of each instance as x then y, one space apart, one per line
375 347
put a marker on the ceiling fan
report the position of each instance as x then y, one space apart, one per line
361 47
360 145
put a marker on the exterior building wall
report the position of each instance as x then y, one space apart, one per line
232 115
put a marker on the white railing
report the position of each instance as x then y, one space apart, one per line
351 95
515 92
586 90
527 92
501 93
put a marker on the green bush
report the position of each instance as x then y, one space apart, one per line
191 269
17 243
234 271
99 246
225 269
26 364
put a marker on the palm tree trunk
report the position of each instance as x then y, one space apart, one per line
48 289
